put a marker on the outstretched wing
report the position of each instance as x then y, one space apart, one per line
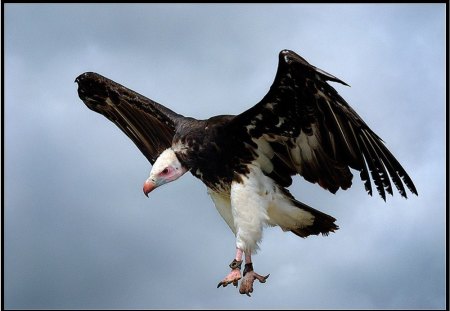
150 125
304 126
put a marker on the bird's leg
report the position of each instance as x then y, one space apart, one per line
250 276
235 275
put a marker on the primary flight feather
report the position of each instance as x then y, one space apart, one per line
301 126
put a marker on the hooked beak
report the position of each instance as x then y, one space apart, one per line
149 186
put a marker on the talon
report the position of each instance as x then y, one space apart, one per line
232 278
247 282
262 279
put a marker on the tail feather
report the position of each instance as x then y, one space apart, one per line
323 223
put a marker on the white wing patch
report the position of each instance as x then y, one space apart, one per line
270 106
304 148
265 154
300 150
281 121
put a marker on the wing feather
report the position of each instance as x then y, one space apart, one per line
149 125
315 133
374 164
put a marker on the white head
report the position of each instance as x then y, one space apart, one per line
166 168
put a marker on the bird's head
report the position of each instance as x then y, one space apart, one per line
166 168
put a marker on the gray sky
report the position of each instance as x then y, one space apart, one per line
78 231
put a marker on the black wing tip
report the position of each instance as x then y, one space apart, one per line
88 76
400 188
93 88
288 57
83 76
85 81
401 191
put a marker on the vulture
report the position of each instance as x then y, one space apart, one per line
247 161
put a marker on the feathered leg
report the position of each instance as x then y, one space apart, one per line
250 197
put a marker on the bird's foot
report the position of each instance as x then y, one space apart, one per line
234 276
249 277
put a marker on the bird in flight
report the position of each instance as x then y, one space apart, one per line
247 161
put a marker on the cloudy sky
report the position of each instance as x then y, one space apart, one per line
79 232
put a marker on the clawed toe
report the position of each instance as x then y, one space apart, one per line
247 282
225 283
249 277
232 278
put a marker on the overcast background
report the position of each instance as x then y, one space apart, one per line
79 232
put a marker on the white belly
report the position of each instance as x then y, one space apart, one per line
254 203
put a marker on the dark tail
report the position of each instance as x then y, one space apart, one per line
323 223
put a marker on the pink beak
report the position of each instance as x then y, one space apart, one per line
148 187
